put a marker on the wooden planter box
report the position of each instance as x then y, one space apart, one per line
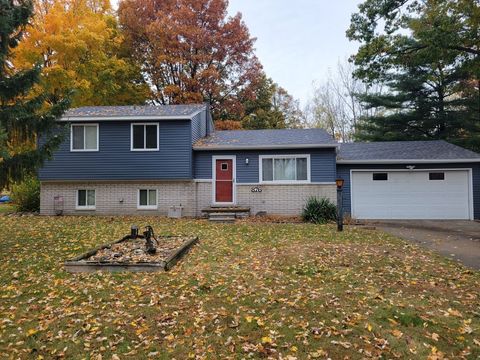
81 264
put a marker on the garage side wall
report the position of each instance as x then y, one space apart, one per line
343 171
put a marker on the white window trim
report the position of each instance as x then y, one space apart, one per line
144 137
84 137
260 172
147 207
86 207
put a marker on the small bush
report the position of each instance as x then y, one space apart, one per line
319 211
26 195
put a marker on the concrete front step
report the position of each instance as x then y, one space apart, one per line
231 209
227 215
226 220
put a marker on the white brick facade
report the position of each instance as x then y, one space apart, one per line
121 198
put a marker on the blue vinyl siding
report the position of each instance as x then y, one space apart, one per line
343 171
199 126
322 163
115 161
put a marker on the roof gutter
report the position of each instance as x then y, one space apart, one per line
266 147
407 161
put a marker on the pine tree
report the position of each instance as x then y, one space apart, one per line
427 54
24 117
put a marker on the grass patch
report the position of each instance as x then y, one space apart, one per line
7 208
247 290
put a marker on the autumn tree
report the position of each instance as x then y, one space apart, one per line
80 47
269 106
428 53
23 115
190 51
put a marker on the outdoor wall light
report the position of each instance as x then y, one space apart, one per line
246 161
339 183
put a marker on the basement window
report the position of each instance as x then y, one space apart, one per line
436 176
147 199
380 176
86 199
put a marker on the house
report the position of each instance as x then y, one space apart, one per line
145 159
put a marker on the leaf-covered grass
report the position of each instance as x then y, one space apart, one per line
246 290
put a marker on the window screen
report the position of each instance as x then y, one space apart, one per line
84 137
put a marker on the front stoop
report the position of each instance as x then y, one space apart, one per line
225 214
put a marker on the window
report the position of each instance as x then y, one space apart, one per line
285 168
147 199
380 176
436 176
224 166
144 137
86 199
84 137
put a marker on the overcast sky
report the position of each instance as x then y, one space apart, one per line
297 41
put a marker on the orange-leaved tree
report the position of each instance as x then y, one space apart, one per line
192 51
79 47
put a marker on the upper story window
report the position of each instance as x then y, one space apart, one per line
84 137
144 137
285 168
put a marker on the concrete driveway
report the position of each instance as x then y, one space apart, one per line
458 240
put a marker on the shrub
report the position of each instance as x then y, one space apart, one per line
26 195
319 211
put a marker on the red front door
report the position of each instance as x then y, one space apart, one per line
224 181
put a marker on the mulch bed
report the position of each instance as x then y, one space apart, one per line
134 251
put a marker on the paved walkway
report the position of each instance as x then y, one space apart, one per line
459 240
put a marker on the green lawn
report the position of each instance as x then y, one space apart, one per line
248 290
7 208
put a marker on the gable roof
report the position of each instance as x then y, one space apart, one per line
152 112
266 139
389 152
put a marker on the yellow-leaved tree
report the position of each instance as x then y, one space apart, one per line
80 47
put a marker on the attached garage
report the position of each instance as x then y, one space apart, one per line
412 194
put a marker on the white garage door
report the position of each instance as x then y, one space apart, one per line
434 194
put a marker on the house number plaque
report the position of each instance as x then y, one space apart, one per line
256 189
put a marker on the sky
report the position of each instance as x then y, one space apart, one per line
298 41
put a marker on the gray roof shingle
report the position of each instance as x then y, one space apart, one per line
404 150
273 139
180 111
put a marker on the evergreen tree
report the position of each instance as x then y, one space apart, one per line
428 55
23 117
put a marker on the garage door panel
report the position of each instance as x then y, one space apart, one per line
411 195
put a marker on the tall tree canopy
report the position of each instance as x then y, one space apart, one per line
428 53
23 116
80 47
270 107
191 51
